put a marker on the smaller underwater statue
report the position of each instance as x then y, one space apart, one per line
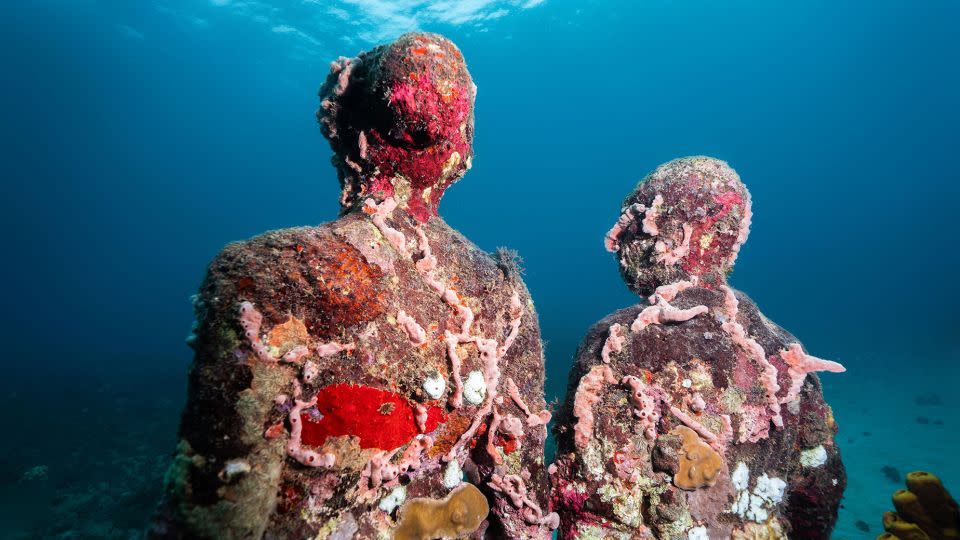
349 376
691 415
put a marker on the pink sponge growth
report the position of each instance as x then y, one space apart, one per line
588 394
802 363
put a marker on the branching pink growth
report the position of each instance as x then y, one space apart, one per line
491 375
490 355
414 331
250 321
627 218
614 342
328 105
427 264
742 233
516 316
380 472
331 348
662 312
294 447
800 364
696 402
377 473
466 316
490 351
451 339
551 521
510 485
420 417
645 400
470 432
650 219
588 394
452 299
669 292
514 394
310 372
727 434
533 420
344 66
353 165
362 143
512 426
294 355
412 457
347 187
491 366
426 267
669 313
626 464
378 215
739 336
515 489
671 256
649 315
492 436
688 421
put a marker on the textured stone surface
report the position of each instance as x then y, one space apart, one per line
694 353
330 359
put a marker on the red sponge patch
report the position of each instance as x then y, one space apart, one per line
380 419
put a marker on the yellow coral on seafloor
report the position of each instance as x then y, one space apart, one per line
699 464
458 514
925 511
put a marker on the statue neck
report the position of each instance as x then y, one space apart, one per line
419 203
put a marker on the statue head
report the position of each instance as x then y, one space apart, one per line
400 121
685 220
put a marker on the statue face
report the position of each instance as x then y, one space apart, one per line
427 90
400 121
686 219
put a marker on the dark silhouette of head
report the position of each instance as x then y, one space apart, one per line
400 121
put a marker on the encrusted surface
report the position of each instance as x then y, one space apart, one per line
331 361
699 360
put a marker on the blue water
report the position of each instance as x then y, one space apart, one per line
140 137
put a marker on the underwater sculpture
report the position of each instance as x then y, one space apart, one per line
690 415
348 374
925 511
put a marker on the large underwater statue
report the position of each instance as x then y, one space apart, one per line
691 415
349 376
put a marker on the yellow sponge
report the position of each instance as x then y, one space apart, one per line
925 511
459 514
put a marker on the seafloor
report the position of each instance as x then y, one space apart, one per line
89 462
